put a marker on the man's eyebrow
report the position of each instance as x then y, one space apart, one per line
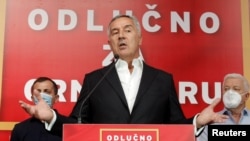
113 29
126 26
129 25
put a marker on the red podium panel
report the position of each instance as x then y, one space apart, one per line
128 132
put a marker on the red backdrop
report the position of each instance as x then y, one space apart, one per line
64 39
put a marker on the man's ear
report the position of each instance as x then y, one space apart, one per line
247 95
57 98
140 42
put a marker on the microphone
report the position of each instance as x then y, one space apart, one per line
116 57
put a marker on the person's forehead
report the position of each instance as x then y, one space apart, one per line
121 22
44 85
233 82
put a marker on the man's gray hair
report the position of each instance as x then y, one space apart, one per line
238 76
133 18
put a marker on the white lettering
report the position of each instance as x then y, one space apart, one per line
187 90
215 94
134 137
176 20
231 133
146 19
38 20
90 22
34 17
62 19
61 89
214 18
75 90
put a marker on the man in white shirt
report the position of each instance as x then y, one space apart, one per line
132 92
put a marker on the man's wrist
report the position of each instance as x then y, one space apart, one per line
49 125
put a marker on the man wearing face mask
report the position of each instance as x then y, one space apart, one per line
33 129
235 89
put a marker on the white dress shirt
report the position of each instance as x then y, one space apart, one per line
130 80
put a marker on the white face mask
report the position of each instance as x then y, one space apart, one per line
231 99
46 97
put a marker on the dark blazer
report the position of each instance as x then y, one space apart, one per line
32 130
156 101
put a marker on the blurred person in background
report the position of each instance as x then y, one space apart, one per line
235 89
33 129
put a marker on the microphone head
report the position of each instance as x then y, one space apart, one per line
116 56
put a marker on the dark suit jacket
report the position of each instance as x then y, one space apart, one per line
32 130
156 101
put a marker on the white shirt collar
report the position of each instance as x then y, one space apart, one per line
137 62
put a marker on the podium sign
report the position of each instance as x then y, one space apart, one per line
128 132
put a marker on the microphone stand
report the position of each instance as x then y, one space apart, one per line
79 119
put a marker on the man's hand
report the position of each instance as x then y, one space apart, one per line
208 115
41 110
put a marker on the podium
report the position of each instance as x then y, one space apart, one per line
128 132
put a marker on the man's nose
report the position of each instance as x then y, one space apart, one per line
42 91
121 34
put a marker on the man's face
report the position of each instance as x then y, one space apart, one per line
124 38
236 85
233 84
45 87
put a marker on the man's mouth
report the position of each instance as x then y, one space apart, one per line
122 44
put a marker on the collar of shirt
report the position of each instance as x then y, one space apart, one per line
130 81
244 112
123 71
244 119
137 62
